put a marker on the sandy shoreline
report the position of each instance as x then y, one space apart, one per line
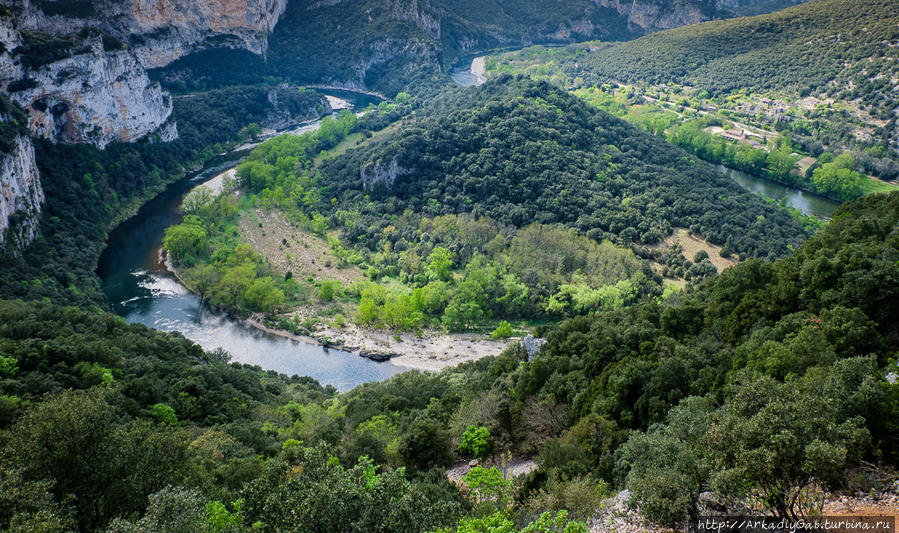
433 351
216 184
479 68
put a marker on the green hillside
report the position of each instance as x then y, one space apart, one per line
521 152
839 48
819 74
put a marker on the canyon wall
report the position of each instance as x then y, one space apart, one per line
94 88
21 194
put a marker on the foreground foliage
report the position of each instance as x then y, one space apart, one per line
764 385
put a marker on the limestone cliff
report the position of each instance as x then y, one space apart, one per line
648 15
97 89
93 96
161 31
379 171
21 194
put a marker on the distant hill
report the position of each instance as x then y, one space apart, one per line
846 49
519 151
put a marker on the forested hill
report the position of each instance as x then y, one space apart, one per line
520 151
846 49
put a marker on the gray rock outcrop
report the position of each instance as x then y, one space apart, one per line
99 92
379 171
95 97
21 194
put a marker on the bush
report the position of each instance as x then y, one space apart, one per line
503 331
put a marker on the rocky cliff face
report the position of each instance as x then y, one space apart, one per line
380 171
94 96
21 194
653 16
99 93
161 31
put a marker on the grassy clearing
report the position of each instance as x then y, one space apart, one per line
872 185
355 140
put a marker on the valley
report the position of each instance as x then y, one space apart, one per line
432 266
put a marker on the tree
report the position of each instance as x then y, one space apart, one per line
199 202
476 442
307 489
489 484
164 414
839 178
28 506
425 445
186 240
666 470
440 264
76 439
367 312
328 289
171 510
503 331
234 285
263 295
461 315
778 443
499 523
781 163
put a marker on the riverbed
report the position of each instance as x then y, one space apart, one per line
141 290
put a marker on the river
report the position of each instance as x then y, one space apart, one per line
140 290
807 202
463 74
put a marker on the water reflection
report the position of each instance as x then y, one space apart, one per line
808 203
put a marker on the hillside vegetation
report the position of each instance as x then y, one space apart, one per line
88 190
822 73
519 152
840 48
514 202
765 386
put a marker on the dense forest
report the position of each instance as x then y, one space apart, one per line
517 152
833 47
89 190
788 358
545 201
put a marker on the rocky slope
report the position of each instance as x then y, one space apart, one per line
651 16
383 44
80 68
98 91
20 194
161 31
95 96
